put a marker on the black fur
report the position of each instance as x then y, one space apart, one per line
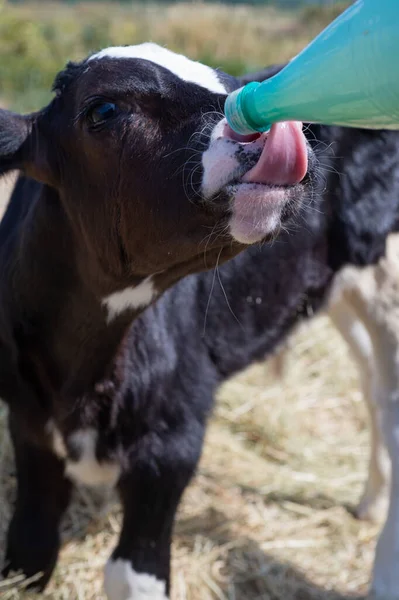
13 134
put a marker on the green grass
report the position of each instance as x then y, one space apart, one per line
37 39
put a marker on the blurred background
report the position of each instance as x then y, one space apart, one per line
268 516
37 38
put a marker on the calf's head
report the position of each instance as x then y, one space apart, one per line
151 178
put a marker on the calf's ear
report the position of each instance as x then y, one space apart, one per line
22 146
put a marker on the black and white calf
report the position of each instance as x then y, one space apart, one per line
132 181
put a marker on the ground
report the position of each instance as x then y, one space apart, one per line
268 516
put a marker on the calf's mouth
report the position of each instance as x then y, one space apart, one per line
264 176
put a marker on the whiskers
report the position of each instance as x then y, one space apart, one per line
216 273
210 297
197 144
324 152
218 230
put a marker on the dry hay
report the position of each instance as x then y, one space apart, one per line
267 516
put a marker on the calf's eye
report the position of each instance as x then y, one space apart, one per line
101 112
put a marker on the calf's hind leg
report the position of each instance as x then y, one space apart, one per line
376 299
348 321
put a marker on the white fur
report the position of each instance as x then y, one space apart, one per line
58 441
219 161
87 470
58 444
121 582
385 582
374 501
129 298
180 65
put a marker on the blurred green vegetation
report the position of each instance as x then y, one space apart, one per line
37 39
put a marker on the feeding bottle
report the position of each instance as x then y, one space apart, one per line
347 76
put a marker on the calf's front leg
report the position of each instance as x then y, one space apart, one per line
43 495
150 491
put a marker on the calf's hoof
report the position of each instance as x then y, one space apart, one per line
31 550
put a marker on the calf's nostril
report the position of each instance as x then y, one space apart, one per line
230 134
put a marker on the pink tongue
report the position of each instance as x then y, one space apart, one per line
284 158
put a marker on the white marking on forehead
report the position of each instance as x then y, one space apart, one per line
122 582
129 298
180 65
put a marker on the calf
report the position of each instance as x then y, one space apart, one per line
132 180
143 183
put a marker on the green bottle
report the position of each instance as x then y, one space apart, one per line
347 76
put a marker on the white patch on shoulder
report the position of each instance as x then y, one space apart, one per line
129 298
58 442
121 582
88 470
180 65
